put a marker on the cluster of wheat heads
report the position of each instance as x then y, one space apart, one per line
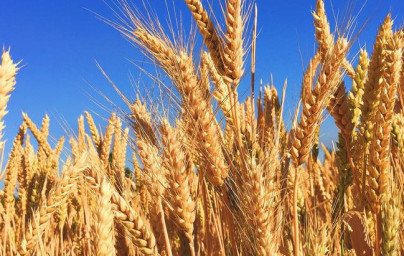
219 176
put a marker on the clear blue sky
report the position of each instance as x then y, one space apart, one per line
59 42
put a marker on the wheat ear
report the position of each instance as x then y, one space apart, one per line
371 95
324 37
234 52
391 223
211 151
158 48
179 182
154 173
221 92
93 129
55 198
340 111
38 135
379 169
104 222
142 122
107 141
13 167
380 144
8 72
137 227
315 102
208 31
358 84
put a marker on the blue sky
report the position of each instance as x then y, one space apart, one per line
59 42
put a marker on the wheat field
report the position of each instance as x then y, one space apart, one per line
214 175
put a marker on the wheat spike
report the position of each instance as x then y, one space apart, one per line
179 182
340 111
208 31
234 52
371 95
380 145
93 129
358 84
104 222
107 140
38 135
201 113
324 37
315 102
8 72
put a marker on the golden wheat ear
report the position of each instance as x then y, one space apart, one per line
8 72
233 51
315 102
104 222
184 206
210 35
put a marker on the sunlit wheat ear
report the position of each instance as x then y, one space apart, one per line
142 122
8 72
209 33
23 179
233 51
204 80
136 226
373 88
154 174
13 167
93 129
104 222
380 145
45 123
105 147
315 102
38 135
50 205
338 107
398 132
371 95
221 92
358 84
201 113
158 48
116 163
391 221
179 181
324 37
340 111
260 209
